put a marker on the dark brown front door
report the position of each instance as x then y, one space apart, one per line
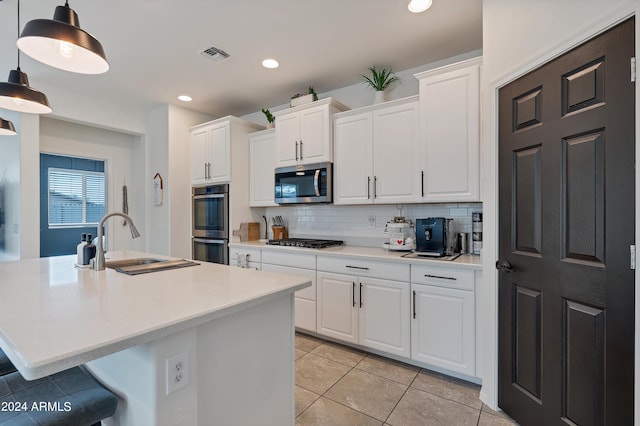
566 213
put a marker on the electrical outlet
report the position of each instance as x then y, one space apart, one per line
372 222
177 372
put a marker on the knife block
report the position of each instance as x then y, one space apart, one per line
280 232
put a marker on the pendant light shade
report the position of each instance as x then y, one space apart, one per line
6 128
61 43
17 95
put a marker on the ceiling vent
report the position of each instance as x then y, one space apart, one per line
215 54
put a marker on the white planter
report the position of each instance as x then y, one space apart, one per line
301 100
379 97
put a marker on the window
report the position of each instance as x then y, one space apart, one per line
76 198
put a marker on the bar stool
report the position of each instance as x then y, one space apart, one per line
6 366
71 397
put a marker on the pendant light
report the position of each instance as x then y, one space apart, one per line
17 95
6 128
61 43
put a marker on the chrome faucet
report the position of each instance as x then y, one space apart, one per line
100 262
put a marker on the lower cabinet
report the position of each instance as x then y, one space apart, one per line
443 325
303 265
363 310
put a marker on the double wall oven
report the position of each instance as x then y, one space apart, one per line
210 223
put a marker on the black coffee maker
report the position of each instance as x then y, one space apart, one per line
435 237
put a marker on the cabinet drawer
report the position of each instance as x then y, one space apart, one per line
443 277
306 293
250 254
364 268
297 260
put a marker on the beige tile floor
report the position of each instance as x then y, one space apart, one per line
338 385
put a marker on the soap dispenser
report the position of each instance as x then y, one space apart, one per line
79 248
88 251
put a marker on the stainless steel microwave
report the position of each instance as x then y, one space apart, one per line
304 184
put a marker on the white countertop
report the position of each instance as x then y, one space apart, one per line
373 253
54 316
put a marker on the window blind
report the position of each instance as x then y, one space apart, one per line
76 197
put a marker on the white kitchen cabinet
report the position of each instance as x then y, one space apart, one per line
357 308
303 265
262 162
443 324
212 144
304 134
377 154
450 132
210 154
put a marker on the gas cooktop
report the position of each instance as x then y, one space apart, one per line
305 243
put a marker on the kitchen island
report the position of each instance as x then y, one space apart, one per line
233 328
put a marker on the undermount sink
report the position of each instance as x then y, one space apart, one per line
144 265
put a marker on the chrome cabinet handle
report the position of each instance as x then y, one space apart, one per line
300 149
206 174
361 295
441 277
414 304
296 150
353 294
375 186
368 187
357 267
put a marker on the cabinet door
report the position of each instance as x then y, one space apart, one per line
262 160
287 139
305 300
337 309
200 156
384 317
315 135
395 154
443 328
450 146
353 166
220 154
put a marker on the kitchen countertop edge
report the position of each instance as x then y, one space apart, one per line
465 261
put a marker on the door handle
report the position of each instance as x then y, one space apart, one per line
422 180
300 149
361 295
316 178
368 187
296 150
504 266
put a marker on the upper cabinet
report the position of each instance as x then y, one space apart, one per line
304 133
377 154
211 148
449 132
262 160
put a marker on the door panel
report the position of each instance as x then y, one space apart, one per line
566 213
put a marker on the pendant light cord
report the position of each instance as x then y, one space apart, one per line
18 34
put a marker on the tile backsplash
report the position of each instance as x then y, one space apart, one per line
364 225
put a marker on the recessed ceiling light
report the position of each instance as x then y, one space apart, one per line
270 63
185 98
417 6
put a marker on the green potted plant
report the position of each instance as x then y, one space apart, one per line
270 118
380 80
304 98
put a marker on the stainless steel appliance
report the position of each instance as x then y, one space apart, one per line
302 184
210 223
305 243
435 237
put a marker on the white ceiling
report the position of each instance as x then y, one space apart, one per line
152 47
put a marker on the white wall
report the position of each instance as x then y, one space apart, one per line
169 153
122 153
519 35
360 95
